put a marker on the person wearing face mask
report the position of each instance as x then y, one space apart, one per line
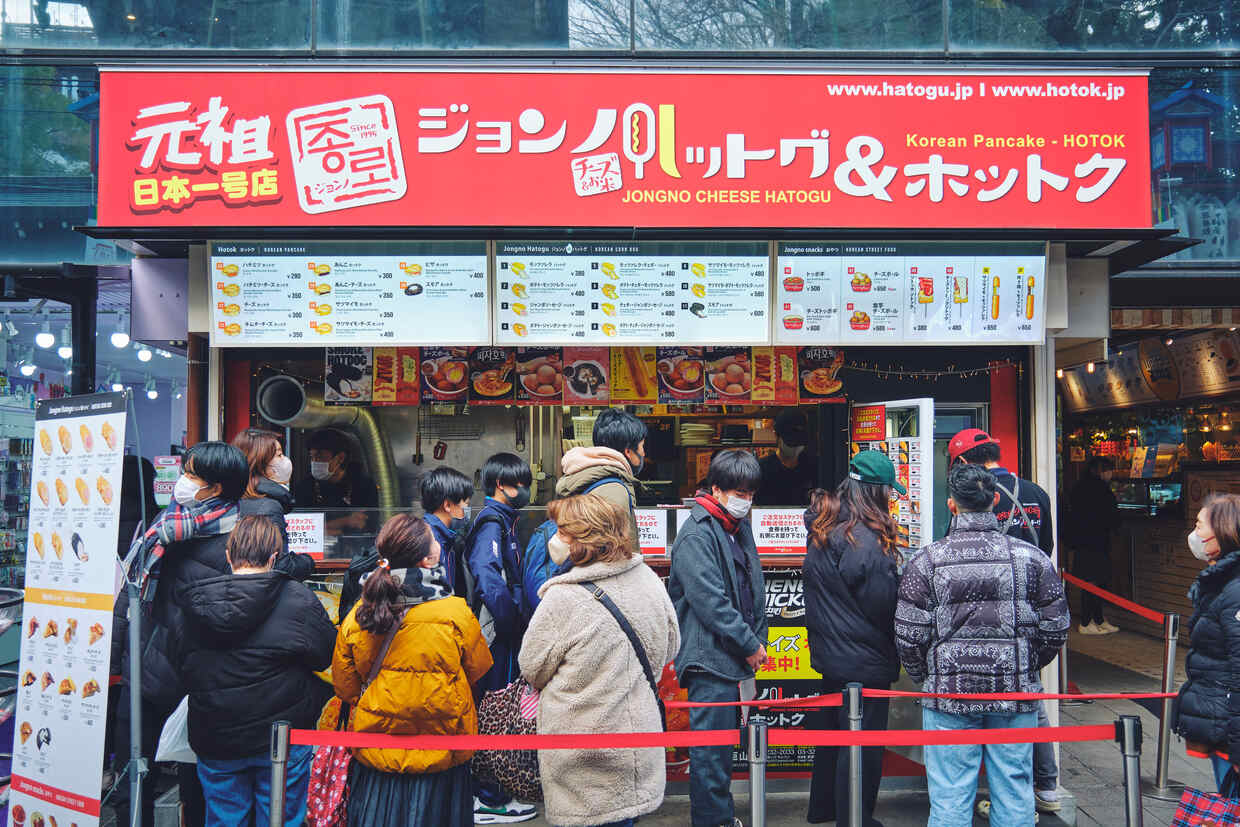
717 588
576 648
789 474
493 588
1094 514
337 482
267 494
184 545
1205 711
446 494
609 468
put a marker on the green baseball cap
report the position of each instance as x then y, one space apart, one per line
875 468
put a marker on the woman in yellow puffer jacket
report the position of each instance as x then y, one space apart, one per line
423 687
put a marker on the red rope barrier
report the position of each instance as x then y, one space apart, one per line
1111 597
938 737
1017 696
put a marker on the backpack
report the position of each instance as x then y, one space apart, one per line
466 585
537 566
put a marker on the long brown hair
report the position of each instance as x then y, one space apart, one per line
403 542
1223 515
260 449
854 502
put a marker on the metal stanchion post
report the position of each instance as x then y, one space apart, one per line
1163 788
852 696
756 727
1128 733
279 771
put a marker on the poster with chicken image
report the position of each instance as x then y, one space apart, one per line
62 694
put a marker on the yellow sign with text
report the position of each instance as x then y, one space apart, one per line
787 655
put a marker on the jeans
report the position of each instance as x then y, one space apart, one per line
951 771
828 789
1221 768
1045 770
710 768
238 790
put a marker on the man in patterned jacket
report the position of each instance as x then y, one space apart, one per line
979 612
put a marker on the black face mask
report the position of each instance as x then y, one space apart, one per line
458 524
522 499
641 463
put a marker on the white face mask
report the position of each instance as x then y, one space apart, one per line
320 470
1198 546
558 549
280 470
185 492
738 507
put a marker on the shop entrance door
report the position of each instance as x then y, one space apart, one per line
903 430
950 420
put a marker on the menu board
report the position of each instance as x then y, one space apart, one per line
637 293
920 293
62 696
349 293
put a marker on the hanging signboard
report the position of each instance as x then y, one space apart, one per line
62 695
320 294
924 293
636 293
643 147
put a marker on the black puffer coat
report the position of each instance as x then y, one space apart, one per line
1208 706
275 502
247 654
851 590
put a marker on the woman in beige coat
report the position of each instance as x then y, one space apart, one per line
590 677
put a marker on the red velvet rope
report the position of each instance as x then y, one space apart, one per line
1017 696
1111 597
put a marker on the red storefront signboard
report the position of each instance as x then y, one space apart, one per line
271 147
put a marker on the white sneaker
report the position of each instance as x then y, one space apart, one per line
1091 629
1047 801
511 813
1108 627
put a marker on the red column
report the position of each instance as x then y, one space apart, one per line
236 393
1005 413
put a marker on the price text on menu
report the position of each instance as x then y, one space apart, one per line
357 293
950 294
634 294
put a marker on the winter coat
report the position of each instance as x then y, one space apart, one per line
851 588
275 502
583 467
1094 514
248 653
1208 706
980 612
495 563
591 681
703 587
424 686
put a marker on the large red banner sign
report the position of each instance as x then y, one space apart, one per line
265 147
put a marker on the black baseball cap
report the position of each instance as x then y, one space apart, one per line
791 426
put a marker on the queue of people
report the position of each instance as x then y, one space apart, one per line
442 612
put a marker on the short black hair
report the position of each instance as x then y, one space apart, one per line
619 430
444 485
329 439
734 470
220 462
1099 464
981 454
972 488
505 469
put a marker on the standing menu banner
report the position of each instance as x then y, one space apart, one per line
923 293
637 293
349 293
62 696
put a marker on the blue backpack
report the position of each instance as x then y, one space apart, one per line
537 567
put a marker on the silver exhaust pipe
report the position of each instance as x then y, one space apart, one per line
286 402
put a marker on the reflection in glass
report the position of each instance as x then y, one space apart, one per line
444 24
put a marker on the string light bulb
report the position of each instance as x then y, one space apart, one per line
1089 368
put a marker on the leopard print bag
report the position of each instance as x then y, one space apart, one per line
512 710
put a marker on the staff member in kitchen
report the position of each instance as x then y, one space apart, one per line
337 481
789 474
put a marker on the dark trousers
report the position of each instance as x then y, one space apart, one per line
828 790
710 768
1094 566
153 718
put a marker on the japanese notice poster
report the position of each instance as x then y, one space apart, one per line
272 146
652 530
779 531
348 293
638 293
926 293
305 533
62 695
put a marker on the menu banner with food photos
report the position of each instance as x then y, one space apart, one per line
919 293
587 376
644 146
631 293
358 293
62 694
348 376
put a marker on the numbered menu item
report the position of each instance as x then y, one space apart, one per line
61 708
355 293
928 293
638 293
